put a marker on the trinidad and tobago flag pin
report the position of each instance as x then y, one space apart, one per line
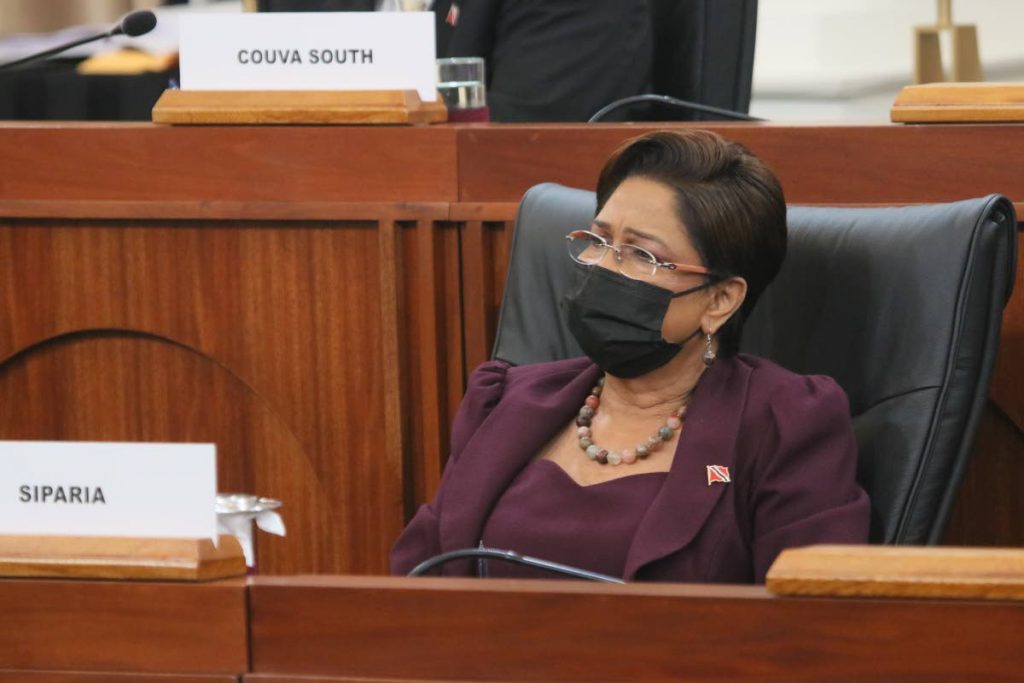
453 15
718 474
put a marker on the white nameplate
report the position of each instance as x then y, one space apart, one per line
84 488
309 51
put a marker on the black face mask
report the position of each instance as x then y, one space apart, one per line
617 321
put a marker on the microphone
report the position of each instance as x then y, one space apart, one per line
672 102
135 24
132 25
514 558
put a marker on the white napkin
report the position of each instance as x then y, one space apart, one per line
239 525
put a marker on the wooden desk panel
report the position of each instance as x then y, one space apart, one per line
147 163
132 627
275 340
93 677
451 629
817 164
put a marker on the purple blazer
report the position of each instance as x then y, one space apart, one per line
787 440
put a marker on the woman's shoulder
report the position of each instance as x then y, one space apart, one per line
497 381
499 375
773 386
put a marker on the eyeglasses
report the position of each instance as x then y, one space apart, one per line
634 262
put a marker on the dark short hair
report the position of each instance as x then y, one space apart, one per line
729 200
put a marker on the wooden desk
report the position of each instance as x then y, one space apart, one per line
57 631
311 298
358 628
363 628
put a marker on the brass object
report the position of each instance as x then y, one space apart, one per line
965 60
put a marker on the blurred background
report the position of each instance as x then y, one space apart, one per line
837 60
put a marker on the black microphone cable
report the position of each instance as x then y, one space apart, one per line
514 558
672 102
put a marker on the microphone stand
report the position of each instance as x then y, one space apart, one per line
672 102
54 51
134 24
514 558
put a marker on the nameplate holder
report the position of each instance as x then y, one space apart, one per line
869 571
112 510
305 68
959 103
259 107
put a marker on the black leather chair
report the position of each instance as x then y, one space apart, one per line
902 306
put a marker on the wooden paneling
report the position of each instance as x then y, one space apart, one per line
990 509
143 162
864 164
93 677
99 626
486 247
451 629
430 278
1008 380
265 338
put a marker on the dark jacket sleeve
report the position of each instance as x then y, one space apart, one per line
421 538
805 489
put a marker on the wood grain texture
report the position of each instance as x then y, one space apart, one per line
168 559
900 572
142 627
959 103
486 247
824 164
273 678
443 629
1008 377
144 162
264 678
8 676
990 509
265 339
240 107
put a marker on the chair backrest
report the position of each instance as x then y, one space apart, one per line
902 306
704 51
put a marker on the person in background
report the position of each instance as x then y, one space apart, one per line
664 454
552 60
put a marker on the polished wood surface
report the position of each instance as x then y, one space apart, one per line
131 627
141 162
94 677
311 299
959 103
504 630
267 339
170 559
900 572
241 107
817 164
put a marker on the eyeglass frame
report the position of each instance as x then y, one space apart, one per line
667 265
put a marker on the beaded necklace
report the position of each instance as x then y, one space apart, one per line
627 456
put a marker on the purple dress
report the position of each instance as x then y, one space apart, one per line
784 440
546 514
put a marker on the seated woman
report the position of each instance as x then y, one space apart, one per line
664 455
